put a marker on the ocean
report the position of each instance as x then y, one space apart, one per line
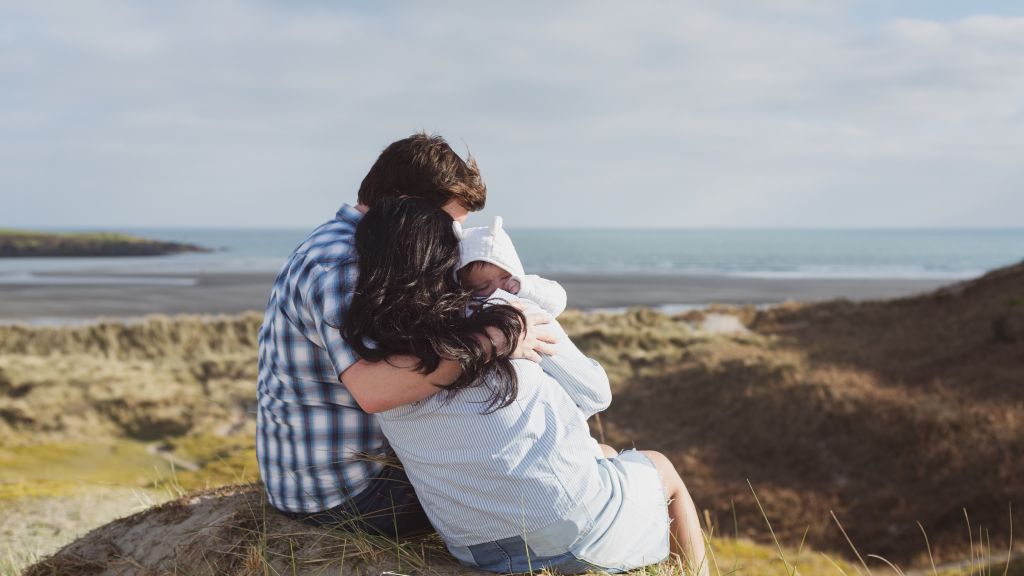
852 254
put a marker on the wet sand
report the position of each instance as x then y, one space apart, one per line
77 297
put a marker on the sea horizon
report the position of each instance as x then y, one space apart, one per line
792 253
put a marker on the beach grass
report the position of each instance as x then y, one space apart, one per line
128 476
254 540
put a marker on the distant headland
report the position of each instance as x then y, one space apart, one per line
28 244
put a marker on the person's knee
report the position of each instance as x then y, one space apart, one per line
660 461
669 475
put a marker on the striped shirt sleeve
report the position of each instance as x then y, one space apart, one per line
583 378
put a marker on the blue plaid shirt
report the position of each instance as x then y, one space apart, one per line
311 435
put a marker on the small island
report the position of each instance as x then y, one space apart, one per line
28 244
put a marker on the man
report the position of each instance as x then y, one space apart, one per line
317 441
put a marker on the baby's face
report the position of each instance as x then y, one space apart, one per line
484 278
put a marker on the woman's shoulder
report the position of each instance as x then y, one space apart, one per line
533 385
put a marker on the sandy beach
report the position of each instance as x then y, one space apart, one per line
70 297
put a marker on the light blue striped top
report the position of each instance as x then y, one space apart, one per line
483 477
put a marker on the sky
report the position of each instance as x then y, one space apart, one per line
775 113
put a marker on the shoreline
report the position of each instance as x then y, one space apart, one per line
73 298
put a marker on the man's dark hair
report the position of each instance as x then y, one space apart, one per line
408 302
426 167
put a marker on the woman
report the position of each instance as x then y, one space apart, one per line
502 460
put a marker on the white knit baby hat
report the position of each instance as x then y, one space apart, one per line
489 244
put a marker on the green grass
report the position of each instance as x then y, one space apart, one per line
222 459
64 469
53 470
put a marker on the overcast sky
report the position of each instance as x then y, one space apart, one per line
774 113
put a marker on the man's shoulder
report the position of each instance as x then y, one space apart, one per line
322 266
329 245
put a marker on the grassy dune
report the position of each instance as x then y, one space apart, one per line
231 531
887 414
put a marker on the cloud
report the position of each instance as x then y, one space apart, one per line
580 113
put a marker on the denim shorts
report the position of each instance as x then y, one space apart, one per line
388 506
628 529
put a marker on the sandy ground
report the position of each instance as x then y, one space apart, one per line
35 527
70 296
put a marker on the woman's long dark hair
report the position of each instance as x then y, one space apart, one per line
407 300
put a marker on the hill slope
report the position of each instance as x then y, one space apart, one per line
232 531
887 413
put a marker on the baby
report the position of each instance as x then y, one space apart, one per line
489 266
489 262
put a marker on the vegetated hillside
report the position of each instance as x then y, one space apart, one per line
157 379
886 413
25 244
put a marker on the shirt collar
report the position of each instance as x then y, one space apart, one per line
348 213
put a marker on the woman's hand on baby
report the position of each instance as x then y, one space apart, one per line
535 340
